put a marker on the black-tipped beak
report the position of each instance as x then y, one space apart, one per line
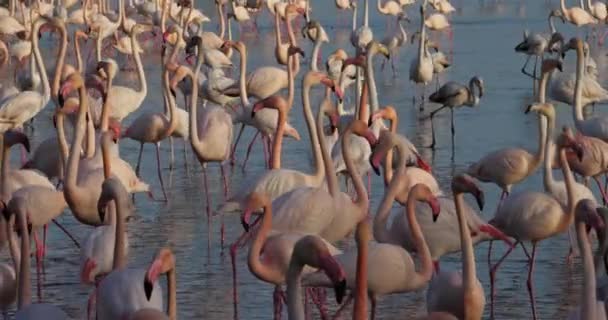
60 99
148 286
579 152
340 290
528 109
480 200
101 211
173 93
376 169
245 224
435 217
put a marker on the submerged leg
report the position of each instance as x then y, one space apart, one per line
160 175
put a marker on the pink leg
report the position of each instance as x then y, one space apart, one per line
369 185
249 149
319 298
46 226
238 138
602 190
235 296
493 270
372 298
222 230
436 266
207 200
266 151
91 302
529 283
160 175
277 302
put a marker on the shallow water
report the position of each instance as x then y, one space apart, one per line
485 33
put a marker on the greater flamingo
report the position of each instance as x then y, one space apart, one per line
460 294
421 67
576 15
455 95
535 216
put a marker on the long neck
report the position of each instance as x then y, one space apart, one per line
172 287
295 308
363 105
552 25
291 87
312 132
170 105
295 63
89 146
5 172
277 31
314 60
569 180
195 142
71 172
589 300
330 171
562 5
220 13
141 77
243 77
388 160
60 60
362 200
79 64
354 26
379 7
278 139
381 231
46 90
468 254
578 87
426 264
13 244
105 108
256 266
360 307
25 294
63 144
421 40
121 230
371 82
549 146
366 13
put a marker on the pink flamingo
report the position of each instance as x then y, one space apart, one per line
534 216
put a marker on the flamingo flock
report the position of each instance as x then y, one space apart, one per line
298 221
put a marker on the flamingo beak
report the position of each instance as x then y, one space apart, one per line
245 217
480 198
435 208
151 277
374 160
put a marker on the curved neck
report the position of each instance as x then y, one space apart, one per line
121 230
243 77
295 308
60 60
354 26
549 154
569 180
381 231
105 108
330 171
61 140
141 77
71 172
552 25
89 146
363 105
278 139
195 142
589 300
46 90
380 8
578 87
277 31
426 264
25 294
468 254
220 13
79 64
562 5
172 288
371 82
170 105
314 60
312 131
388 160
291 90
256 266
362 200
295 63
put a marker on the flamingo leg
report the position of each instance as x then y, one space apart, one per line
186 155
238 138
172 161
529 283
62 228
493 270
222 229
207 200
602 190
91 302
141 149
278 302
160 175
319 298
432 146
265 146
249 149
346 303
45 228
373 301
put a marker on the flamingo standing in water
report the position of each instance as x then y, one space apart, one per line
534 216
576 15
390 269
460 294
421 67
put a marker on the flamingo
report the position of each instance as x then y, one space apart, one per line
441 234
25 308
421 67
363 35
390 268
278 181
509 166
587 217
313 252
390 8
460 294
154 128
534 216
23 106
271 251
126 290
395 41
104 27
576 15
443 6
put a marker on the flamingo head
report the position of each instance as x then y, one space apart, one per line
164 262
275 102
360 128
586 212
331 83
386 141
254 201
567 140
13 137
421 192
72 82
464 183
386 113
